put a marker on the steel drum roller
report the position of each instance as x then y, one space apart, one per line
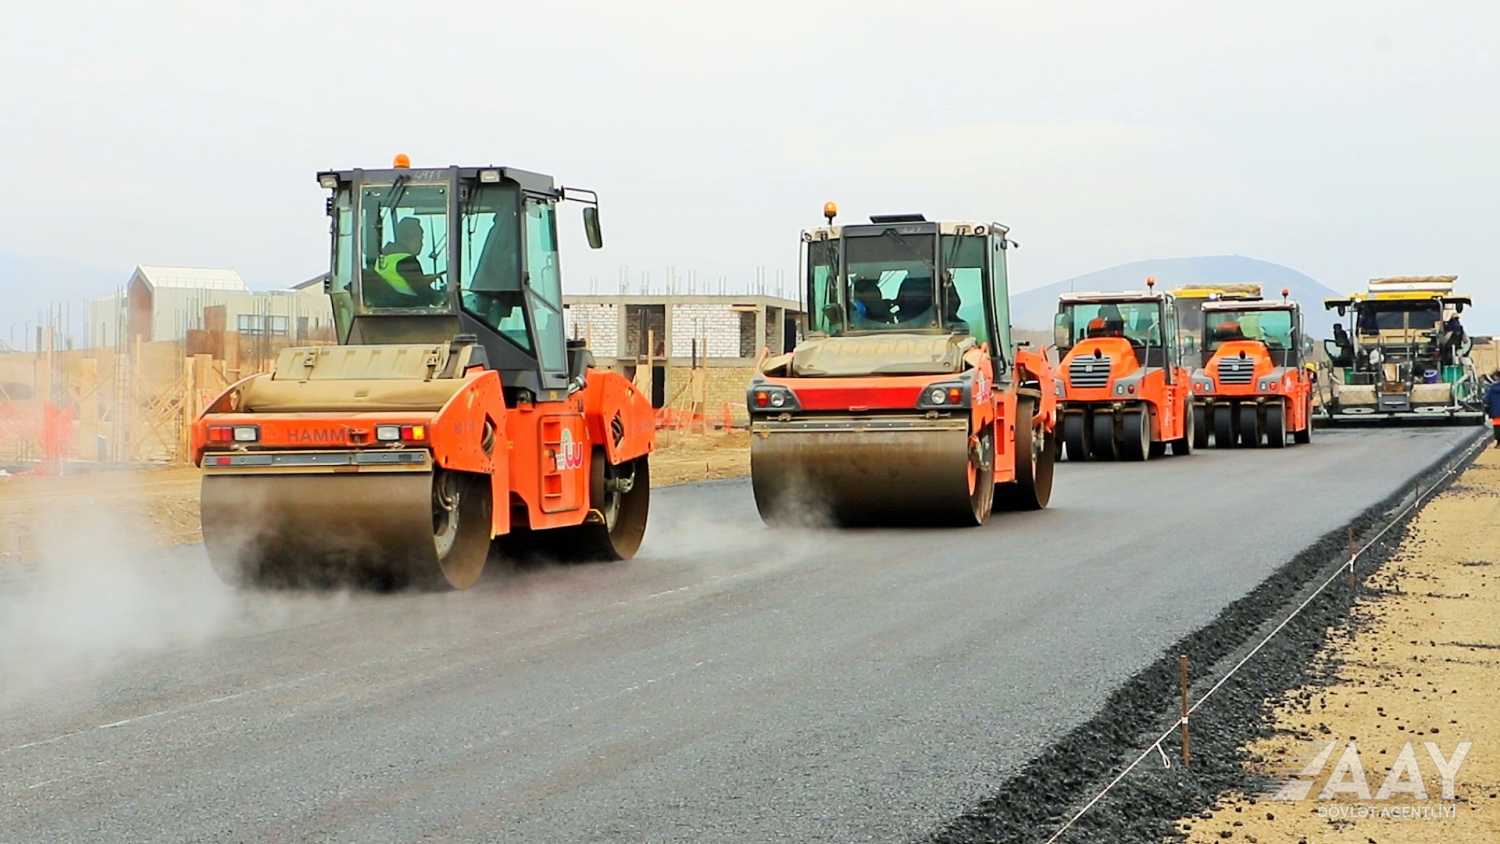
368 529
859 474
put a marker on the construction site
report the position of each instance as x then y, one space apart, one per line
226 463
340 501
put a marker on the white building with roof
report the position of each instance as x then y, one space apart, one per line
165 303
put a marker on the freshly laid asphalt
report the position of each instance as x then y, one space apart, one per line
733 683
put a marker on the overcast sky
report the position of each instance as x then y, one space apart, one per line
1345 139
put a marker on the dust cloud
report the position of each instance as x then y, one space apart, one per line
98 590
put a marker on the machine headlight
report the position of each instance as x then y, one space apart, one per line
246 433
1059 388
387 433
769 397
946 394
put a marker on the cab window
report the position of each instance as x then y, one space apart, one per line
404 237
822 276
544 283
1000 295
963 288
490 262
341 275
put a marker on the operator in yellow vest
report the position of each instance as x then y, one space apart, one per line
405 285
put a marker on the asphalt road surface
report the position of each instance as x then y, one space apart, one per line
733 683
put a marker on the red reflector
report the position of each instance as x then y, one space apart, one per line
762 398
414 433
220 435
221 461
954 394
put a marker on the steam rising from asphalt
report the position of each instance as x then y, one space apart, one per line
98 592
99 595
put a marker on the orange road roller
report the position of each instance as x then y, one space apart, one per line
453 412
1124 388
907 402
1257 386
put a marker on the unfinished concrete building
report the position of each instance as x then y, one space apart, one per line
721 334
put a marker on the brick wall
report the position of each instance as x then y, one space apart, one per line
724 385
720 323
599 324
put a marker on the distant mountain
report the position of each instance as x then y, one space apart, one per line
1033 309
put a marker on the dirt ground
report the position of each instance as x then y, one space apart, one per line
1418 667
164 502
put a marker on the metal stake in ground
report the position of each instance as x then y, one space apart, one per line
1353 582
1182 685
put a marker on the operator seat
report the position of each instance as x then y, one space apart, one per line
914 299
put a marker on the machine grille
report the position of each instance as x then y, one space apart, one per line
1236 370
1089 371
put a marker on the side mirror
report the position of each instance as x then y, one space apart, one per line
1459 306
1342 310
591 227
1332 349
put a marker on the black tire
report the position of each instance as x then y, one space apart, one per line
1135 435
1032 488
1102 441
1076 437
1304 436
619 503
1276 425
1224 428
1184 446
1202 427
1250 428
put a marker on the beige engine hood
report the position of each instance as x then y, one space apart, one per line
880 354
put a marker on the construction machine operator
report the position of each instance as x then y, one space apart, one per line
1451 339
405 285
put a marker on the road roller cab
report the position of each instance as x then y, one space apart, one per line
1256 387
1123 389
907 400
1189 301
452 412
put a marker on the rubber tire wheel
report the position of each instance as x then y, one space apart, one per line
1304 436
1032 488
1184 446
1135 435
1076 437
1250 427
1102 429
1202 427
1224 433
1276 425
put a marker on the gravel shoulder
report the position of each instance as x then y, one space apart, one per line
1417 663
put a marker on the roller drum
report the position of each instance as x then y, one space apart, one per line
859 474
370 530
